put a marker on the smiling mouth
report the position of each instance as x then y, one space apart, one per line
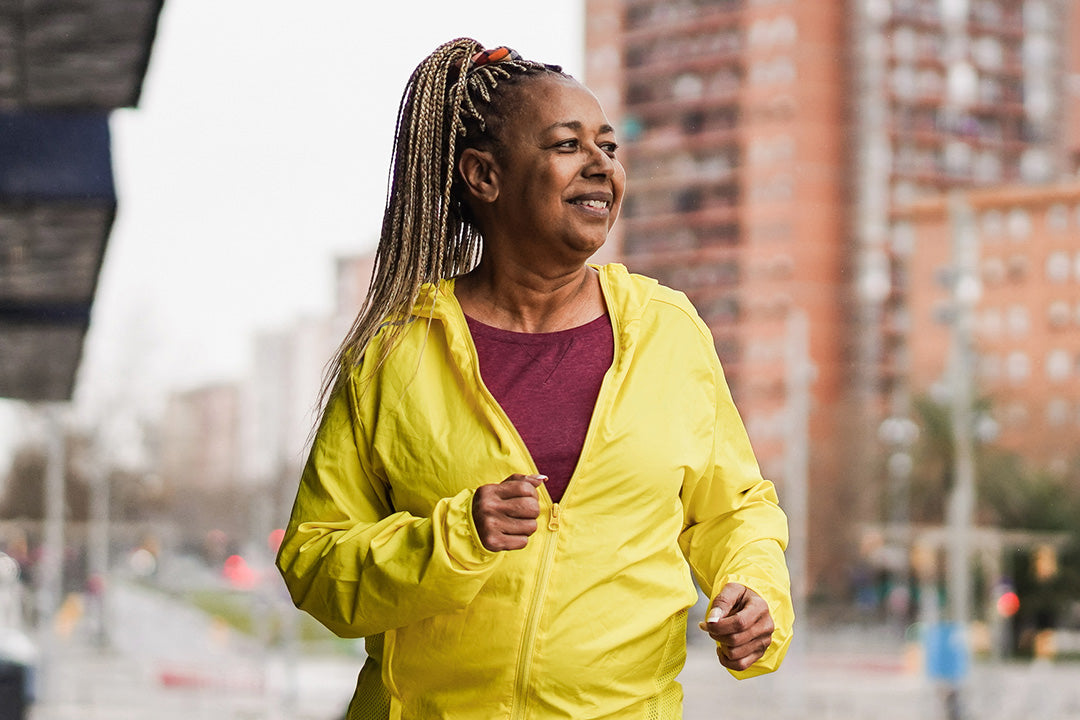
595 204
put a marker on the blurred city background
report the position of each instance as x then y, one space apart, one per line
874 204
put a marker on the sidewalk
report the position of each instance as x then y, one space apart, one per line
188 667
839 680
191 667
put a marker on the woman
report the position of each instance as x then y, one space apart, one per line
522 458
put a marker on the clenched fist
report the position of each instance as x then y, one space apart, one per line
505 514
740 621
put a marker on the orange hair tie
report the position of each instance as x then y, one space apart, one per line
489 57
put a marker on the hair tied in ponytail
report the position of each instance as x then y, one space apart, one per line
494 55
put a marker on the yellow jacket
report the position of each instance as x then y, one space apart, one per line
589 620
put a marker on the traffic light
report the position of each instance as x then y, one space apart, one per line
1008 603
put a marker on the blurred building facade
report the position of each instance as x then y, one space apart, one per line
282 389
1026 310
200 439
768 144
244 443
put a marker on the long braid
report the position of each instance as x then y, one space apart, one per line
426 233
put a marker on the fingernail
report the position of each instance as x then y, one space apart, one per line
714 615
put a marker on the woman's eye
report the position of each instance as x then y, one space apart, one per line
610 147
567 144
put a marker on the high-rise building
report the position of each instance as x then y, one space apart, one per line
767 144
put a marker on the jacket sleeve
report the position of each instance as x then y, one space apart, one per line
356 565
735 531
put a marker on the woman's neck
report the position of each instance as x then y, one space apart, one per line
524 300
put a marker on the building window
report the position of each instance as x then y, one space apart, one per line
988 167
1058 314
1017 268
777 71
905 44
903 238
903 82
1058 365
1019 224
1035 165
1017 320
1017 367
781 30
693 122
988 52
1038 16
688 86
958 156
1057 267
785 30
987 12
990 91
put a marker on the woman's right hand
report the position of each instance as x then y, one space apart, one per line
505 513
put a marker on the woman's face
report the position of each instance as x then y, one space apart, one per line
560 185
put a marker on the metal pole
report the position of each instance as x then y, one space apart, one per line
797 452
796 475
50 566
871 227
961 509
98 550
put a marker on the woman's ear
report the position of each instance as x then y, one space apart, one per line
479 174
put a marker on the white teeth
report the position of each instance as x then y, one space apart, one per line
598 204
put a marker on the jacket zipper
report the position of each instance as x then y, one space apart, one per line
519 701
532 622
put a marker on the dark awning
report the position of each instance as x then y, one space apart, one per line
64 65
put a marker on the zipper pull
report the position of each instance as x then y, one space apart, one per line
553 519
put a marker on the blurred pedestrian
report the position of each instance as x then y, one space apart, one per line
523 458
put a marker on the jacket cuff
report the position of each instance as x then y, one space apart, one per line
463 544
783 617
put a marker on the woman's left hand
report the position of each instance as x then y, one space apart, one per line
739 619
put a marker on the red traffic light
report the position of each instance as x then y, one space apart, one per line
1008 603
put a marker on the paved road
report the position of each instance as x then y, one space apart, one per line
168 661
846 675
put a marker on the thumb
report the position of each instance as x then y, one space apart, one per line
535 480
724 602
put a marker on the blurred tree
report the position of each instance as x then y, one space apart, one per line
1011 496
24 488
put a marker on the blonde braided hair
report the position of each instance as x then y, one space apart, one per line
427 231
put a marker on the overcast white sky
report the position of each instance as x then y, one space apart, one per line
258 153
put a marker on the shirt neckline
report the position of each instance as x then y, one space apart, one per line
476 326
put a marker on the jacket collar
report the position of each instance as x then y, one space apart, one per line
626 295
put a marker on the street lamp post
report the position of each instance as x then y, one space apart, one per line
961 508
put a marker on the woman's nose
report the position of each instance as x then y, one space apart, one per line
600 162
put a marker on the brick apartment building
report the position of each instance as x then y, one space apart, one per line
1025 325
767 145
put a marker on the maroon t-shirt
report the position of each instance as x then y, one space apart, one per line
547 384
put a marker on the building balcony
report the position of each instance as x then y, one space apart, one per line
709 217
658 18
